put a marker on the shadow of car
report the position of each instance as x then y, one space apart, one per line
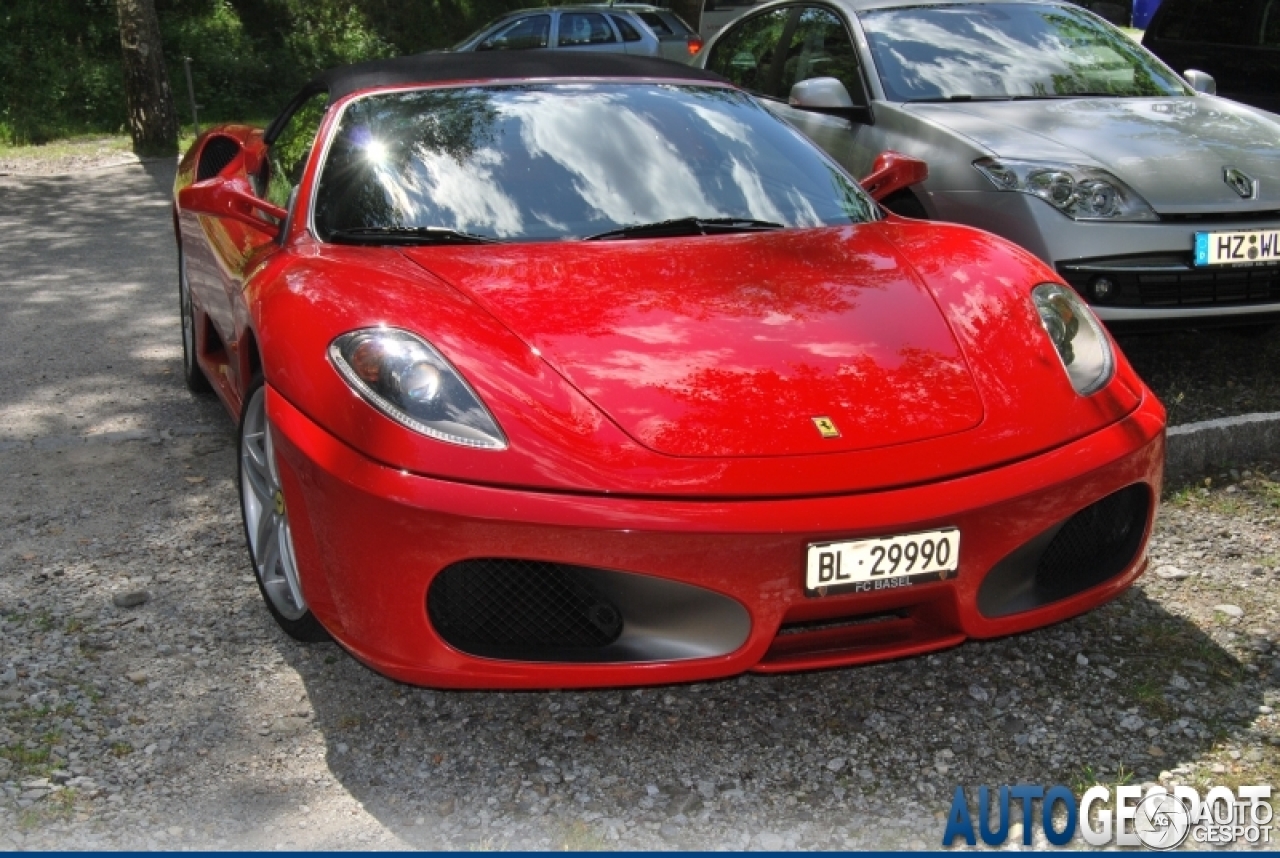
1044 124
1238 42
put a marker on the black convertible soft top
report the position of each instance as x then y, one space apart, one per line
487 66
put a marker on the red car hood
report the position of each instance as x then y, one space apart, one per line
733 346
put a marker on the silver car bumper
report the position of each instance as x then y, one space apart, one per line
1145 269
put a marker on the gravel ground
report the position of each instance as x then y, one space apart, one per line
147 700
1203 375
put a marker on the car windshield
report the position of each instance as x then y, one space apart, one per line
1008 50
531 162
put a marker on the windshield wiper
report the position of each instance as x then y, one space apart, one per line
961 98
947 99
688 226
406 235
941 99
1085 95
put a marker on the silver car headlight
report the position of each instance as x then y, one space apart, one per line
1082 193
1077 335
407 379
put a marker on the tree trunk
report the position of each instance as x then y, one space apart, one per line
153 123
690 11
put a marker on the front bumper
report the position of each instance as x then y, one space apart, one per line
370 540
1147 265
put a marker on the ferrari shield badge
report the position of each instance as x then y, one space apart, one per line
826 427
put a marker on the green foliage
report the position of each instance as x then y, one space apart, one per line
60 60
59 69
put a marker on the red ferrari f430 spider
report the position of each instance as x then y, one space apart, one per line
561 370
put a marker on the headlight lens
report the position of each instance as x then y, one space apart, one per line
404 377
1082 193
1077 335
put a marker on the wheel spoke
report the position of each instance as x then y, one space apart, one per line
266 521
270 452
254 448
288 563
259 485
268 550
280 595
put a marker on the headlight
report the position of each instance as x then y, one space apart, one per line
1077 335
1082 193
404 377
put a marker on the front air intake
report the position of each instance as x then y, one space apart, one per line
1089 548
1094 544
514 608
534 610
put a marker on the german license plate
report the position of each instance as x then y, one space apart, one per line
1233 248
867 565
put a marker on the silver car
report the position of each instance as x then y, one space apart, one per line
631 28
1044 124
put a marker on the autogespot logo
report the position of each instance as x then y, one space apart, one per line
1160 819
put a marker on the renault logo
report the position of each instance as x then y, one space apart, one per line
1240 183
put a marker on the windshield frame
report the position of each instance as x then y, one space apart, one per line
868 36
334 125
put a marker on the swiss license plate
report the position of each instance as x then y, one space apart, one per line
867 565
1234 248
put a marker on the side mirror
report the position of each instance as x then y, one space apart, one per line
820 93
221 197
1201 81
891 172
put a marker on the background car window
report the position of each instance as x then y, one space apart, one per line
821 47
629 33
1003 50
1225 22
656 23
1271 25
749 54
288 154
584 28
771 53
529 32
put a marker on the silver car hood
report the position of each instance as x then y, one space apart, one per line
1172 151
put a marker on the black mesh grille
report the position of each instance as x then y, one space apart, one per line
520 608
1094 544
1190 287
217 153
1221 286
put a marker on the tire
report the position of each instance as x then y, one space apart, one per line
266 522
192 374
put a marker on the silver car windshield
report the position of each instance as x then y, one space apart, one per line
1008 50
533 162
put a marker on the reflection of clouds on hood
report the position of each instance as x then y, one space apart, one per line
656 334
836 350
467 192
673 370
624 168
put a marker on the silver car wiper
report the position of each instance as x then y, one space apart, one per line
688 226
407 235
